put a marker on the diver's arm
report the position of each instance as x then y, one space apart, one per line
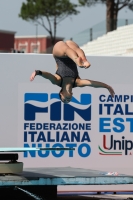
95 84
44 74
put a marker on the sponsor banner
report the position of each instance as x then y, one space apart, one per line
99 127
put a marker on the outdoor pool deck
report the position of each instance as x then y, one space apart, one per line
44 181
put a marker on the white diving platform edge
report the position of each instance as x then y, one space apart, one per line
23 149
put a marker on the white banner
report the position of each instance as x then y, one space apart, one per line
99 127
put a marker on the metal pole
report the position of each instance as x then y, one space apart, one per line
126 22
91 34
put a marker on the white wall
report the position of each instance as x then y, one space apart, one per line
15 70
14 80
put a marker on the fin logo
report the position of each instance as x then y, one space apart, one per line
51 104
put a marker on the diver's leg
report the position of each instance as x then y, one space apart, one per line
79 52
62 49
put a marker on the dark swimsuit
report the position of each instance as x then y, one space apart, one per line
66 68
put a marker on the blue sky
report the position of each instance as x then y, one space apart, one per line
88 17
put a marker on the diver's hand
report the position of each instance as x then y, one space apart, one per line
78 61
111 91
32 76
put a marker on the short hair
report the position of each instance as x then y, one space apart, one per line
60 95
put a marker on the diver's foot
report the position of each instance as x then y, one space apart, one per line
86 64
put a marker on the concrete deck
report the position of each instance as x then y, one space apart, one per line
62 176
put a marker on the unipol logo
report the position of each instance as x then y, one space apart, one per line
52 106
